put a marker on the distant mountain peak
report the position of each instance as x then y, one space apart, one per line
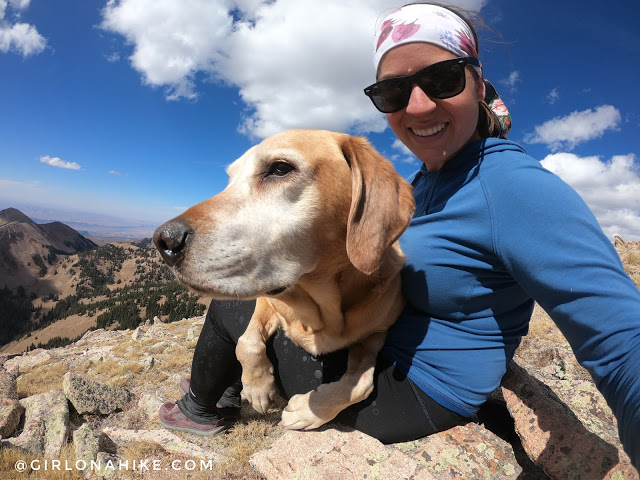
9 215
27 245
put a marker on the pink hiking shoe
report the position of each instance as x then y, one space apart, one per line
173 419
228 406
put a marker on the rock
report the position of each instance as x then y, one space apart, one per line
157 330
194 332
150 404
555 438
99 336
46 425
568 401
138 334
88 396
148 363
86 442
109 465
8 385
589 406
10 409
335 452
468 451
554 362
6 356
100 357
10 414
32 359
163 438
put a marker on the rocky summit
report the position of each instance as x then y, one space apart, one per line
93 405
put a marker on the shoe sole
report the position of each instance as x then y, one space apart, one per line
210 433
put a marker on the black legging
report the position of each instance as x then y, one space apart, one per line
396 411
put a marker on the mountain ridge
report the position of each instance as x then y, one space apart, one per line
27 247
55 285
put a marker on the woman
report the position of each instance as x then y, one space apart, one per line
492 233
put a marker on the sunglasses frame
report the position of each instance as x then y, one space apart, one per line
410 80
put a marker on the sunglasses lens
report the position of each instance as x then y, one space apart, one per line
440 80
443 80
391 95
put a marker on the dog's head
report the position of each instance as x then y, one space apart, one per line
300 202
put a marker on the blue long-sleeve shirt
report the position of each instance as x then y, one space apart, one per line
493 231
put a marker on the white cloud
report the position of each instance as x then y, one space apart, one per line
19 37
405 156
553 96
56 162
611 189
512 80
112 58
172 40
296 63
577 127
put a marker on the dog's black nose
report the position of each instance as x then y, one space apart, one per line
170 239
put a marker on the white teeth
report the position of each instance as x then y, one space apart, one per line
429 131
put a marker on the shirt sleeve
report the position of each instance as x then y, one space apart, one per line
553 246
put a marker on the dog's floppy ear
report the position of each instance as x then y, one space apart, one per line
382 204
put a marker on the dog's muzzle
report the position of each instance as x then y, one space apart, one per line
276 291
171 239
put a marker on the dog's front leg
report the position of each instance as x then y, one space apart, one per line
313 409
258 385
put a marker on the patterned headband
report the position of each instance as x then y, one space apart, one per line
443 28
424 23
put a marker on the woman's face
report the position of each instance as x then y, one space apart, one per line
434 130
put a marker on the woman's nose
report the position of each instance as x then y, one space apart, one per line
419 102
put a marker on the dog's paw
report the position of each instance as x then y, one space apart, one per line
298 414
260 394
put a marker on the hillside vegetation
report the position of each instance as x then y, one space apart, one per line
114 286
630 256
119 286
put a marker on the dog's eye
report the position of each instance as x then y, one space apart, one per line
279 169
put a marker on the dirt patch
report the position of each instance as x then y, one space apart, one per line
71 327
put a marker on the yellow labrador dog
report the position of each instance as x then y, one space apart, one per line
307 225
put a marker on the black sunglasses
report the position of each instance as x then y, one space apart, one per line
440 80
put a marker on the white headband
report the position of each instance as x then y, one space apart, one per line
438 26
424 23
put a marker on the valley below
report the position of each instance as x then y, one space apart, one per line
49 297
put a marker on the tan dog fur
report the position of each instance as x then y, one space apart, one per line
326 230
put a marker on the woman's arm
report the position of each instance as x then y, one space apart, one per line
553 246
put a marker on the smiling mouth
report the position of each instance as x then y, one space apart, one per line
428 132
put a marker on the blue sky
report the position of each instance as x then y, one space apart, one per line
127 111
